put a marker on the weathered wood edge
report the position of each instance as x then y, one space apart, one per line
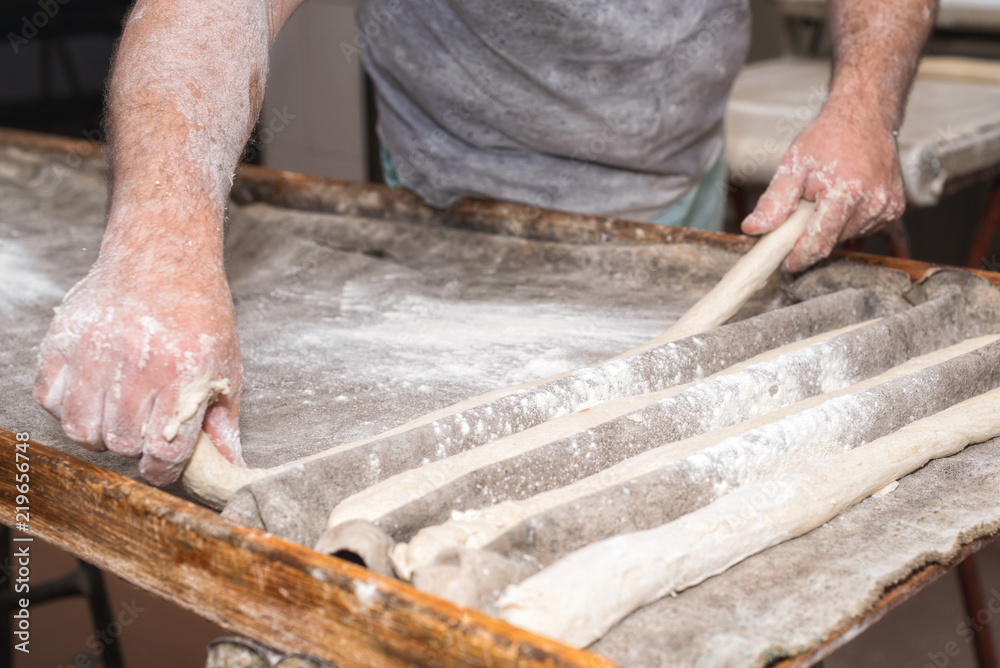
312 193
321 194
252 583
891 599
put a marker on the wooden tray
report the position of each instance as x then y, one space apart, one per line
284 595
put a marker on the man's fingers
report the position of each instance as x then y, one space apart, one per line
222 424
872 217
821 235
124 419
51 384
776 204
83 412
163 460
158 471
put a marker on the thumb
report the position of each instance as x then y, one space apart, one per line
820 236
776 204
222 424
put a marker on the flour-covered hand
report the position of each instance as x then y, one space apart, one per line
140 356
845 161
143 352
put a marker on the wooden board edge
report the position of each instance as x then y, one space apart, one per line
253 583
320 194
311 193
890 599
306 192
915 269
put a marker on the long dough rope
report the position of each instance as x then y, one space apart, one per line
479 527
628 571
740 283
395 492
428 492
683 485
212 478
512 467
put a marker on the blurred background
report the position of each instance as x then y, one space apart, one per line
318 118
318 114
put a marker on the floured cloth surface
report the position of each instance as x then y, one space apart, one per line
351 326
788 599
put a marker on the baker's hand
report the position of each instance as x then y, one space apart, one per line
846 162
136 355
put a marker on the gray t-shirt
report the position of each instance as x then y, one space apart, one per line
588 105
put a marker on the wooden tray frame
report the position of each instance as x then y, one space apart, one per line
292 598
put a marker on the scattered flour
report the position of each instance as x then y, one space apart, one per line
22 280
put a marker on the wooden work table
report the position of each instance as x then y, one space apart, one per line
292 598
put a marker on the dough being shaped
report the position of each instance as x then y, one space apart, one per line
478 527
577 599
740 283
214 480
393 493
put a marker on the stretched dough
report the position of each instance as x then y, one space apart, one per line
577 599
478 527
526 463
740 283
400 489
213 479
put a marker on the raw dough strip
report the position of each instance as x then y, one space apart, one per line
546 518
349 526
741 282
582 596
522 465
500 413
821 431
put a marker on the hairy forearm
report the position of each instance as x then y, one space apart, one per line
184 94
876 46
141 346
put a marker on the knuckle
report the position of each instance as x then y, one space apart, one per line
86 433
49 390
40 392
158 471
123 442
